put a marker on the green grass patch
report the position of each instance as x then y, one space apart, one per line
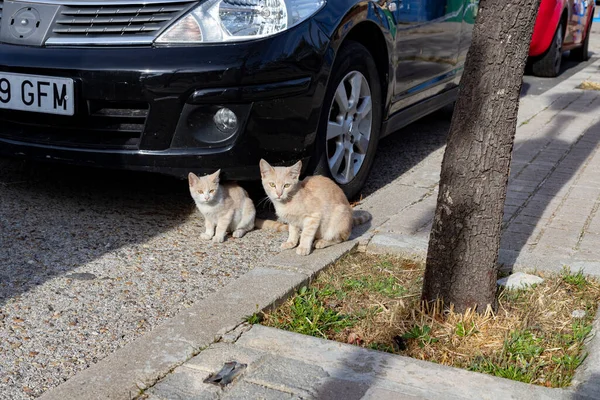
374 302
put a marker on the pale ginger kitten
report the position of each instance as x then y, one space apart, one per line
226 208
315 206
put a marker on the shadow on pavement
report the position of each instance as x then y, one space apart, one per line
56 218
588 390
530 217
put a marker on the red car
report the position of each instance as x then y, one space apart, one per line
561 25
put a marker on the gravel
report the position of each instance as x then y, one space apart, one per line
91 259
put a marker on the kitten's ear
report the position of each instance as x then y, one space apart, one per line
265 168
192 179
216 177
296 169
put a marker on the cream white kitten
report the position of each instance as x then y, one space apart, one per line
226 207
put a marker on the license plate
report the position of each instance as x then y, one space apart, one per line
42 94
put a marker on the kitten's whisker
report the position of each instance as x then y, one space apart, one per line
262 201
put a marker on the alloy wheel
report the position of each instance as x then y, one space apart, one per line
349 127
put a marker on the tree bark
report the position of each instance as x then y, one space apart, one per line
465 237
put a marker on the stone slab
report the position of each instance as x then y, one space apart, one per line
185 384
247 390
519 280
407 377
399 244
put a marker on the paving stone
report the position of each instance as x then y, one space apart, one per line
517 195
587 193
538 209
519 280
528 220
288 375
510 210
392 200
594 226
333 388
568 224
514 240
405 245
518 185
557 241
412 220
589 244
378 393
185 384
248 390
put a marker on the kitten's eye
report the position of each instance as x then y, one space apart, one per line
212 190
287 185
201 191
272 184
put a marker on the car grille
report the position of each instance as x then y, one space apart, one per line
109 24
105 125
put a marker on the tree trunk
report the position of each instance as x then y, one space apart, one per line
465 237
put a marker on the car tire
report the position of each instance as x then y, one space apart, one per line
582 53
350 122
548 65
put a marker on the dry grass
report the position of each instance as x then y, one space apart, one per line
589 85
374 301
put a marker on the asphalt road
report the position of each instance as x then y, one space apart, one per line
91 259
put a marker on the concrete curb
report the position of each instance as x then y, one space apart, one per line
589 370
124 374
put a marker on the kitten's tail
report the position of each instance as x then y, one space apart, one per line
360 217
268 224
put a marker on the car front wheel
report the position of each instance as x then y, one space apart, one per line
350 120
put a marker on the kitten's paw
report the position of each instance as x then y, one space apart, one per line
321 244
287 245
238 233
218 239
206 236
303 251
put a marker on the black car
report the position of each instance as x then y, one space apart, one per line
175 86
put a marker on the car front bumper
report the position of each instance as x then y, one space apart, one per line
151 109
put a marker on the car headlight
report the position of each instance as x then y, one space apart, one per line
217 21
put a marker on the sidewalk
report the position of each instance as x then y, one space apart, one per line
551 219
551 213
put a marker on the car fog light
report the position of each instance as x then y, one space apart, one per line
226 121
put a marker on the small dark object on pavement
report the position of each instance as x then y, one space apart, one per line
227 374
